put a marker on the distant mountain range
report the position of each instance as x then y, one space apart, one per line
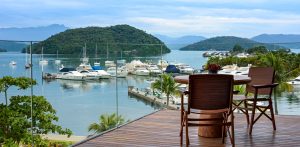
179 42
287 40
12 46
277 38
31 33
225 43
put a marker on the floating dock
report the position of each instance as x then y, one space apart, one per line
151 98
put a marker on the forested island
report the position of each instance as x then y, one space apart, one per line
119 38
226 43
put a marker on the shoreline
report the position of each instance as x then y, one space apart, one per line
72 138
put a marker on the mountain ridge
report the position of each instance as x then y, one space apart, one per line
225 43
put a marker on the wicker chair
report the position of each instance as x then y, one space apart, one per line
209 94
261 86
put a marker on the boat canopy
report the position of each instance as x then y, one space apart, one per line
97 67
65 69
172 69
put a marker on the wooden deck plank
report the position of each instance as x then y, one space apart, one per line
162 129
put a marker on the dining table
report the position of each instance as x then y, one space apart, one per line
213 131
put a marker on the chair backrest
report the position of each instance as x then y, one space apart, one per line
260 76
210 91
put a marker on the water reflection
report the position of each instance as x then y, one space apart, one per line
70 85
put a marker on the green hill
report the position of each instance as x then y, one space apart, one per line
115 38
226 43
12 46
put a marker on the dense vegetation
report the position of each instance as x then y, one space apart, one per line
106 122
286 64
115 38
12 46
15 116
166 85
226 43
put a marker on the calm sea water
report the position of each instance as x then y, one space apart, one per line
79 103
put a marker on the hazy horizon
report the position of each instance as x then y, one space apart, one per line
171 18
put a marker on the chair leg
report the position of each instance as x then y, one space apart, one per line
252 117
224 128
232 131
246 110
186 131
272 114
181 133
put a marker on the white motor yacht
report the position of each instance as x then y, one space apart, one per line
109 63
185 69
296 81
90 75
141 71
71 75
162 63
121 72
153 69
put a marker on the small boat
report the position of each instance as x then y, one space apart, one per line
121 72
153 69
172 69
90 75
101 72
141 71
185 69
96 63
109 63
162 64
296 81
43 61
12 63
71 75
27 65
57 61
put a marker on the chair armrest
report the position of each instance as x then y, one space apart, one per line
235 91
183 92
265 86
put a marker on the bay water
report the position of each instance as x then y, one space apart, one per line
80 103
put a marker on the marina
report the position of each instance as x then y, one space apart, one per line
91 98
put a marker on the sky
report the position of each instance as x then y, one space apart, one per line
175 18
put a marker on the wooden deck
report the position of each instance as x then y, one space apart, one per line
162 129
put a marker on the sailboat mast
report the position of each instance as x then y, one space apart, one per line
96 51
42 53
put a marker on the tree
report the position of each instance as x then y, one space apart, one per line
15 118
237 49
257 49
166 85
8 81
106 122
